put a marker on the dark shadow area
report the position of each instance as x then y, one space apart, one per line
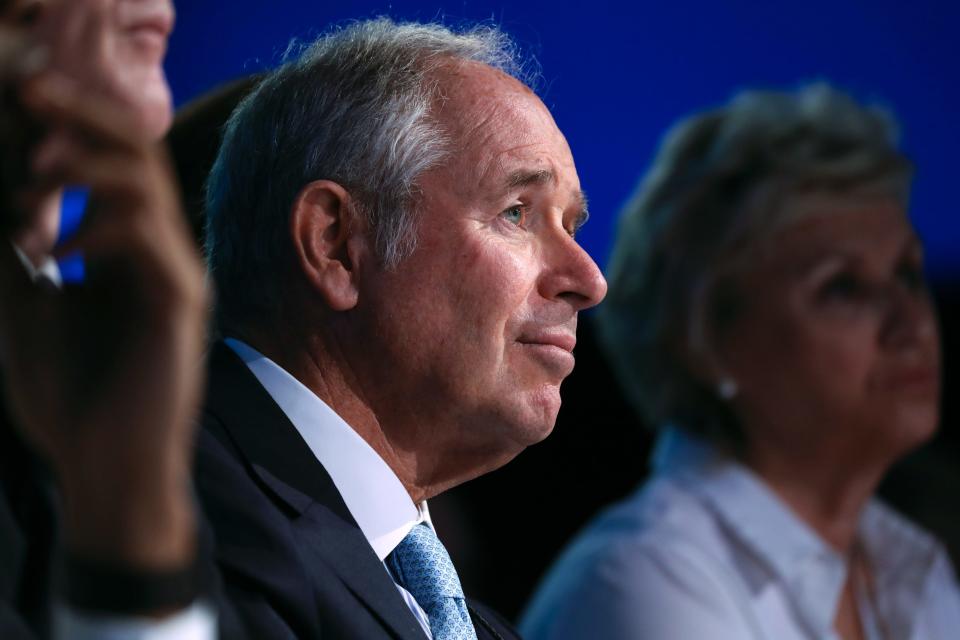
195 139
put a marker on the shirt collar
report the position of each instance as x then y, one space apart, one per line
748 508
49 270
810 571
903 557
371 490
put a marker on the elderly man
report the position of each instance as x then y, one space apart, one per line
391 234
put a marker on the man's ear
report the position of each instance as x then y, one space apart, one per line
324 229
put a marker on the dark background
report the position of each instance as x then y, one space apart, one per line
616 75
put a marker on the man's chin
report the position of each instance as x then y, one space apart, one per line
543 407
542 434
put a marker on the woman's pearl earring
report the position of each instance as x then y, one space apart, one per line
727 388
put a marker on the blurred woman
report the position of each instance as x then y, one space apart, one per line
768 311
99 381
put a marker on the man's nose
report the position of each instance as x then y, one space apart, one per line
572 275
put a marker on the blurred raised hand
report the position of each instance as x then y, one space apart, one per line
104 378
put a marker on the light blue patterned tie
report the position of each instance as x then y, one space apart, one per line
423 567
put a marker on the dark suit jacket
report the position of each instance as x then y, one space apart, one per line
291 562
27 537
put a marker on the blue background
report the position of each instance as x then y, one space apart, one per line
616 75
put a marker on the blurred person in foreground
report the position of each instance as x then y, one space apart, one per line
391 231
101 379
768 311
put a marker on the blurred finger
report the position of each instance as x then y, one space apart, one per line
45 155
155 264
58 99
20 55
122 179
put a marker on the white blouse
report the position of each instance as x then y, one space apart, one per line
706 550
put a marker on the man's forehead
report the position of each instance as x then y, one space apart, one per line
528 155
466 75
502 136
471 96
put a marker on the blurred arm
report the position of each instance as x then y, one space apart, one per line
104 379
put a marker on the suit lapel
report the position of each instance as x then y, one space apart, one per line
489 624
343 548
292 475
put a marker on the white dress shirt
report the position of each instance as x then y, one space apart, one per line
706 550
374 495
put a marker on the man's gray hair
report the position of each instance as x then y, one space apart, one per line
722 184
355 107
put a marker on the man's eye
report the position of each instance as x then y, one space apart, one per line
514 215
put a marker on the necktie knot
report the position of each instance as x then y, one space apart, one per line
422 566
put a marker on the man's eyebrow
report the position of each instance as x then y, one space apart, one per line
527 177
584 213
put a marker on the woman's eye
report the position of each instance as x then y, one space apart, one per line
514 215
843 287
912 277
25 13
